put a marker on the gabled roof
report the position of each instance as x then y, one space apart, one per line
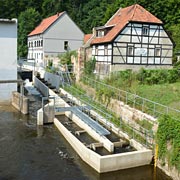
122 17
87 37
45 24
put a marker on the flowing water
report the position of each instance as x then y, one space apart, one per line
28 152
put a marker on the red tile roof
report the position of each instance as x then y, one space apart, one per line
122 17
45 24
87 37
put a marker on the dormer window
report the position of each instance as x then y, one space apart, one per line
99 33
145 31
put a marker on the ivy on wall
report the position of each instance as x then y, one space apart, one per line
168 139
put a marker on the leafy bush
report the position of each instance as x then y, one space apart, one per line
104 95
159 76
169 141
120 78
66 57
89 66
145 124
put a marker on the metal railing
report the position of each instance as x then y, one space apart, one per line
85 100
134 131
145 105
65 74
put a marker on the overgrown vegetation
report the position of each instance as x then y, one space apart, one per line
168 141
65 58
144 76
145 124
50 68
162 86
89 67
158 76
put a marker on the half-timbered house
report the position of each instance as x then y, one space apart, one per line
131 39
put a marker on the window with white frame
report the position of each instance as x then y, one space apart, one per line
96 50
105 49
130 51
157 52
145 31
99 33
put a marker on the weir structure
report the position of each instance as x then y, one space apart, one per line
99 128
18 100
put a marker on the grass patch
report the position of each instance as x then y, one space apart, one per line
145 124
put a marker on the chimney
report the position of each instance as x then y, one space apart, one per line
94 32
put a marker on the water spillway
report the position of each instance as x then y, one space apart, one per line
87 140
30 152
99 154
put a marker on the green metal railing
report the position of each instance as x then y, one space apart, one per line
145 105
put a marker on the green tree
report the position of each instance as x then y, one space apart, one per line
51 7
27 21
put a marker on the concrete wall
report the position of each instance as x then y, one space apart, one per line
86 154
8 58
41 87
20 102
109 162
125 160
106 143
53 79
121 67
100 163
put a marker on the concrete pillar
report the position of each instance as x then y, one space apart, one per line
40 117
20 102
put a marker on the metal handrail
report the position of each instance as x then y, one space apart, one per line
166 109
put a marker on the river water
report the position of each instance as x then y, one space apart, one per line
28 152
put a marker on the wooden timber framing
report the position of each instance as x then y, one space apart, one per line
131 46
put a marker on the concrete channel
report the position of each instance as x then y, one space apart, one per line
104 150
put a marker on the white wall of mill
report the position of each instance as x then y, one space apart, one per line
64 29
36 53
8 58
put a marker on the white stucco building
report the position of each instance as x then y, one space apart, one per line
55 35
8 58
